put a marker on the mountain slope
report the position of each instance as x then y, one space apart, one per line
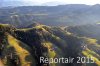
24 47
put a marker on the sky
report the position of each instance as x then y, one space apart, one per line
88 2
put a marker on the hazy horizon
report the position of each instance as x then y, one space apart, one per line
47 2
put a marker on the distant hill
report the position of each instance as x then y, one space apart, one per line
92 30
62 15
24 47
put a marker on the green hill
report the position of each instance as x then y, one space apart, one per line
24 47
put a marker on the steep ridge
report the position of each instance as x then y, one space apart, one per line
24 47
